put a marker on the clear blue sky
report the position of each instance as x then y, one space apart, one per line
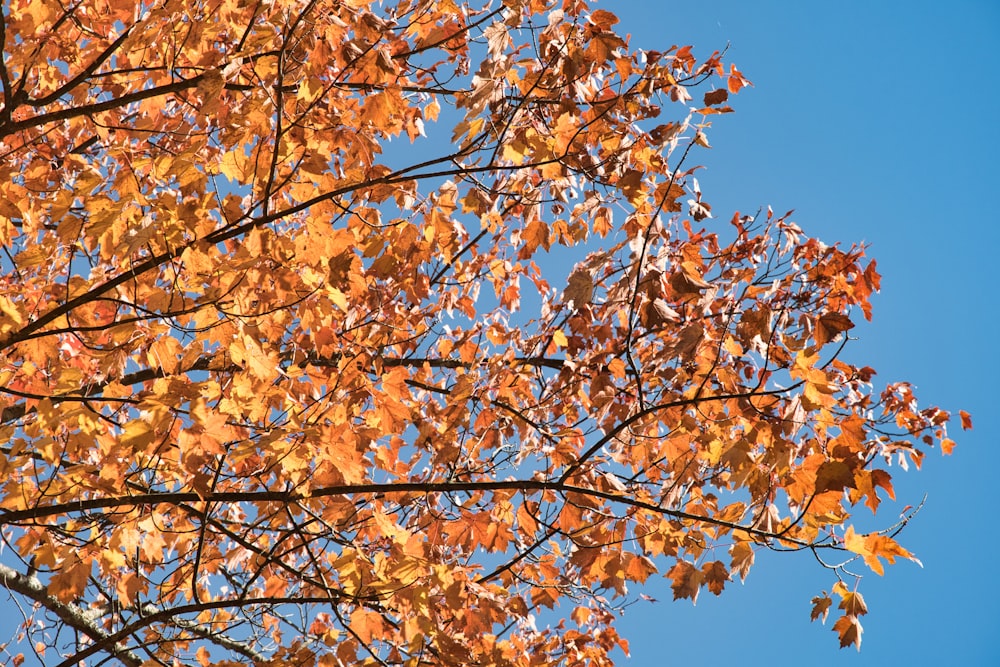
876 122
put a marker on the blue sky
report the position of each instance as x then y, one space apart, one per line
876 122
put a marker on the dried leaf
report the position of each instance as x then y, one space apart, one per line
714 97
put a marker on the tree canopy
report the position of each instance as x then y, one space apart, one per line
341 332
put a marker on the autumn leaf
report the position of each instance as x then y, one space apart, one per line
851 601
874 546
715 575
831 325
736 81
849 629
70 581
714 97
687 580
536 235
579 288
742 558
834 476
821 607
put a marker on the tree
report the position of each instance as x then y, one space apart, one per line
282 385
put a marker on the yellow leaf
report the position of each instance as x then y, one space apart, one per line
559 338
259 363
137 435
853 541
339 299
234 165
309 90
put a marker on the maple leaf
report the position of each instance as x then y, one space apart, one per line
736 81
821 607
849 629
831 325
536 234
874 546
687 580
716 97
742 558
834 476
579 288
715 575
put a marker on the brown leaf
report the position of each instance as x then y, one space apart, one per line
664 313
830 325
851 601
742 554
579 288
685 284
686 580
699 210
849 629
714 97
834 476
715 575
821 607
688 341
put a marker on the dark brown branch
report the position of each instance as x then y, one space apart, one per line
625 423
89 70
97 107
90 392
11 517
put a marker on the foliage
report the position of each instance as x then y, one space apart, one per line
288 376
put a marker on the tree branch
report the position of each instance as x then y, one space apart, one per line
74 617
12 517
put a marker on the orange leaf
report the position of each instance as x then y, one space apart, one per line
535 234
603 19
687 580
735 80
834 476
639 568
70 582
742 554
851 601
715 576
849 629
129 586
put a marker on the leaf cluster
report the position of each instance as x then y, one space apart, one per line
288 375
